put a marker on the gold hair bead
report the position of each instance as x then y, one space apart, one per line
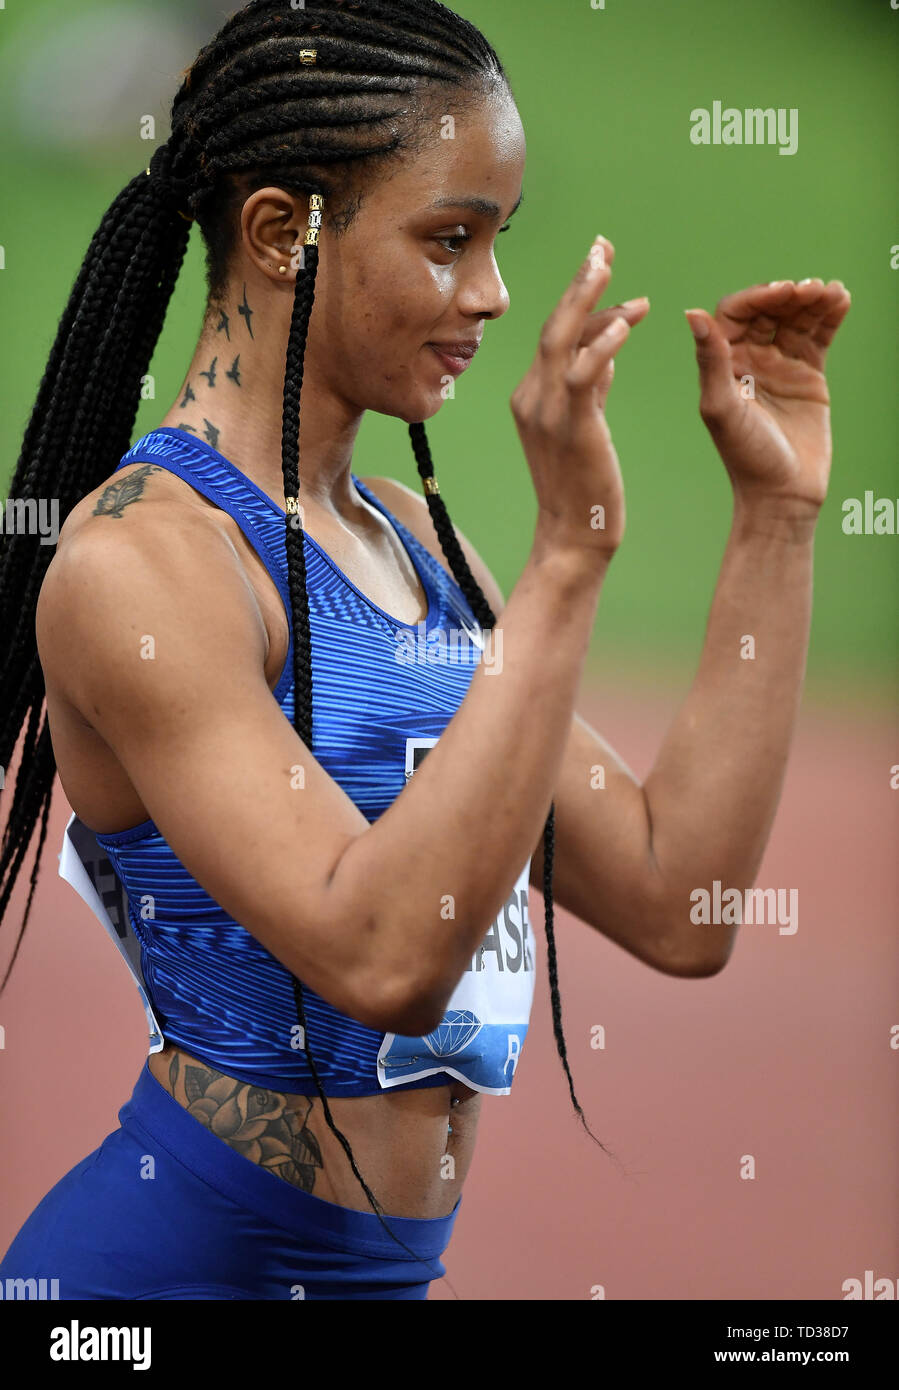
308 55
316 203
431 488
293 506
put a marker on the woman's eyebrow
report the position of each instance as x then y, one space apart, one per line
484 206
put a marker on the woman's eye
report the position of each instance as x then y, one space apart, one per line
446 240
456 250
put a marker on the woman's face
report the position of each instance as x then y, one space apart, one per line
417 267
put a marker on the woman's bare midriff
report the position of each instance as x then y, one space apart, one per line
412 1147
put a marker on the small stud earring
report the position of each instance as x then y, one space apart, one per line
282 269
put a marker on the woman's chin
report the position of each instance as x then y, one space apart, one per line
425 405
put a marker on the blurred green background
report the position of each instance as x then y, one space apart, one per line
605 96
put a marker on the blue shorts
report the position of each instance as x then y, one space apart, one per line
201 1221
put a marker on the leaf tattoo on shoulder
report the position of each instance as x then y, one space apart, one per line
117 496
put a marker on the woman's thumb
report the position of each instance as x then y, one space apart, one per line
716 379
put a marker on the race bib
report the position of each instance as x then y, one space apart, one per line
482 1032
88 868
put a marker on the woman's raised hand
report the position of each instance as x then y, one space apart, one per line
763 393
559 410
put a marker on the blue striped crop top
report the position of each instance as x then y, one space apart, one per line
384 691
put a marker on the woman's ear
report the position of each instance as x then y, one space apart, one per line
272 224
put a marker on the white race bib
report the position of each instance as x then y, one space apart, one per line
482 1032
84 864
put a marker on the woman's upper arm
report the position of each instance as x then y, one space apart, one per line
152 631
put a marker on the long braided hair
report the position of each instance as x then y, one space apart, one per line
253 109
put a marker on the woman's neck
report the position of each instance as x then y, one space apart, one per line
232 398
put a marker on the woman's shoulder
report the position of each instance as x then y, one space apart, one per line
134 494
137 542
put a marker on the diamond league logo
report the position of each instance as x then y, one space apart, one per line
458 1028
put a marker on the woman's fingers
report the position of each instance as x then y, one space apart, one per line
632 309
593 361
787 314
718 392
562 330
752 315
823 331
604 384
598 368
817 308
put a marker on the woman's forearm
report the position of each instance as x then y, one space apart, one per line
438 865
714 788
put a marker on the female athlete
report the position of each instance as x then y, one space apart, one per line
326 833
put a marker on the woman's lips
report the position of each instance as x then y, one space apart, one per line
455 365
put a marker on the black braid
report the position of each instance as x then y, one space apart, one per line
304 297
78 430
248 113
487 619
